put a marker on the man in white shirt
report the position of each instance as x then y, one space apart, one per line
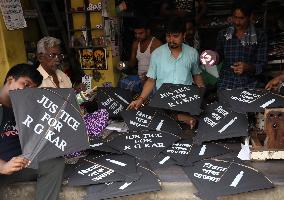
50 57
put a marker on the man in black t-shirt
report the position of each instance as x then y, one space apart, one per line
12 164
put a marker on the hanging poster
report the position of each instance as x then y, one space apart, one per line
94 58
12 13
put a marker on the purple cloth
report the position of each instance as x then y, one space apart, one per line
96 122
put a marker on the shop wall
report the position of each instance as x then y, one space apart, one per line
12 49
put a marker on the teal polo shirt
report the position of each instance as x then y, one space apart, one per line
164 68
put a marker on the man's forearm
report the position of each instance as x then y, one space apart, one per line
148 87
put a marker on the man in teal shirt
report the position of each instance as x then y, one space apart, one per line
173 62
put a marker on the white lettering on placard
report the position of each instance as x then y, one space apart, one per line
107 102
137 124
48 104
52 122
114 106
117 110
60 143
179 148
141 120
209 121
144 140
28 121
181 99
247 97
206 177
141 114
210 166
216 117
167 94
178 96
96 170
222 111
210 172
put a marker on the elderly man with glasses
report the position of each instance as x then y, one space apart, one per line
50 58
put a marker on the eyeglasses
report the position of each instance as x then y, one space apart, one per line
52 56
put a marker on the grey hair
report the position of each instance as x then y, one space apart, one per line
46 43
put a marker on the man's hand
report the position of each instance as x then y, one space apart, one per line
80 87
13 165
240 67
136 104
273 84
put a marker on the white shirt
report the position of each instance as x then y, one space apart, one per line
143 58
64 80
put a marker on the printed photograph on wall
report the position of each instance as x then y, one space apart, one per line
93 58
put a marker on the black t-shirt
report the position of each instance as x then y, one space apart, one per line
9 140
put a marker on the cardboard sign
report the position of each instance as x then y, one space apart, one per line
49 122
214 178
242 101
150 119
185 98
148 182
114 100
219 123
144 145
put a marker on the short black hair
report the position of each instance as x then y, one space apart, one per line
176 25
246 7
25 70
141 23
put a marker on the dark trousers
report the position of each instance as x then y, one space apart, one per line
48 178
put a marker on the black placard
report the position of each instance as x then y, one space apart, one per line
184 98
219 122
49 122
114 100
150 119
